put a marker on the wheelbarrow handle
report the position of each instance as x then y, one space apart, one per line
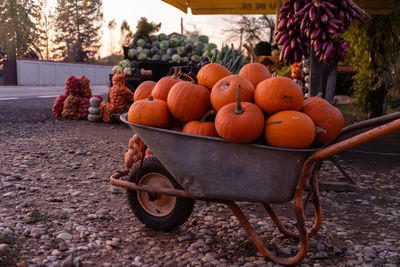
355 140
369 123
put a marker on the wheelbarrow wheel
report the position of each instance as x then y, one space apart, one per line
157 211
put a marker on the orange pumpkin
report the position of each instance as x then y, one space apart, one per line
201 127
325 116
188 101
289 129
224 91
211 73
240 122
162 87
144 90
150 112
278 93
255 72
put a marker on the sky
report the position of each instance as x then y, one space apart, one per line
158 11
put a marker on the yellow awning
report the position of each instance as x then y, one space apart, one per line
209 7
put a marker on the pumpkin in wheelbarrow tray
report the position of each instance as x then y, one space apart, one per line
289 129
255 72
164 85
188 101
211 73
224 91
149 112
325 116
277 94
143 91
240 122
202 127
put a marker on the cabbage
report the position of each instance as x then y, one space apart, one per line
180 50
142 56
173 42
207 53
203 38
164 44
154 38
195 58
162 36
132 53
141 42
156 57
166 57
176 58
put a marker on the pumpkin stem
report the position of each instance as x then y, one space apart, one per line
239 109
253 58
176 73
192 79
210 112
150 98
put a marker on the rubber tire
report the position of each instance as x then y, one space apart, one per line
183 206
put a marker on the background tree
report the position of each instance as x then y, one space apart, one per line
126 34
17 29
43 18
112 25
375 51
145 28
77 29
253 29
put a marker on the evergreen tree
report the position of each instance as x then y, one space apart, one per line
43 19
77 29
17 30
126 34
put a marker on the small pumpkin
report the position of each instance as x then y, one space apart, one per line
150 112
211 73
144 90
224 91
164 85
289 129
278 93
325 116
201 127
188 101
255 72
240 122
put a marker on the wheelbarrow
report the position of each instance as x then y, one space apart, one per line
162 189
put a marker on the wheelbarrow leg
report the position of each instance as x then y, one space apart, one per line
303 237
317 209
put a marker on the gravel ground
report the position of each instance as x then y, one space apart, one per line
58 208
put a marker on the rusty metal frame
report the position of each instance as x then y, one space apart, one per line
311 165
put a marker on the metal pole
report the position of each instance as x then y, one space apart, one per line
181 25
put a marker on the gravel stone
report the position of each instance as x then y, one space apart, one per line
63 175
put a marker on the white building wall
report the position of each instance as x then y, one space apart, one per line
47 73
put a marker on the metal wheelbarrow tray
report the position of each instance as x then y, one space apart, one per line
212 169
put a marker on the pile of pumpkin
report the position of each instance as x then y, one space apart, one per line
250 107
